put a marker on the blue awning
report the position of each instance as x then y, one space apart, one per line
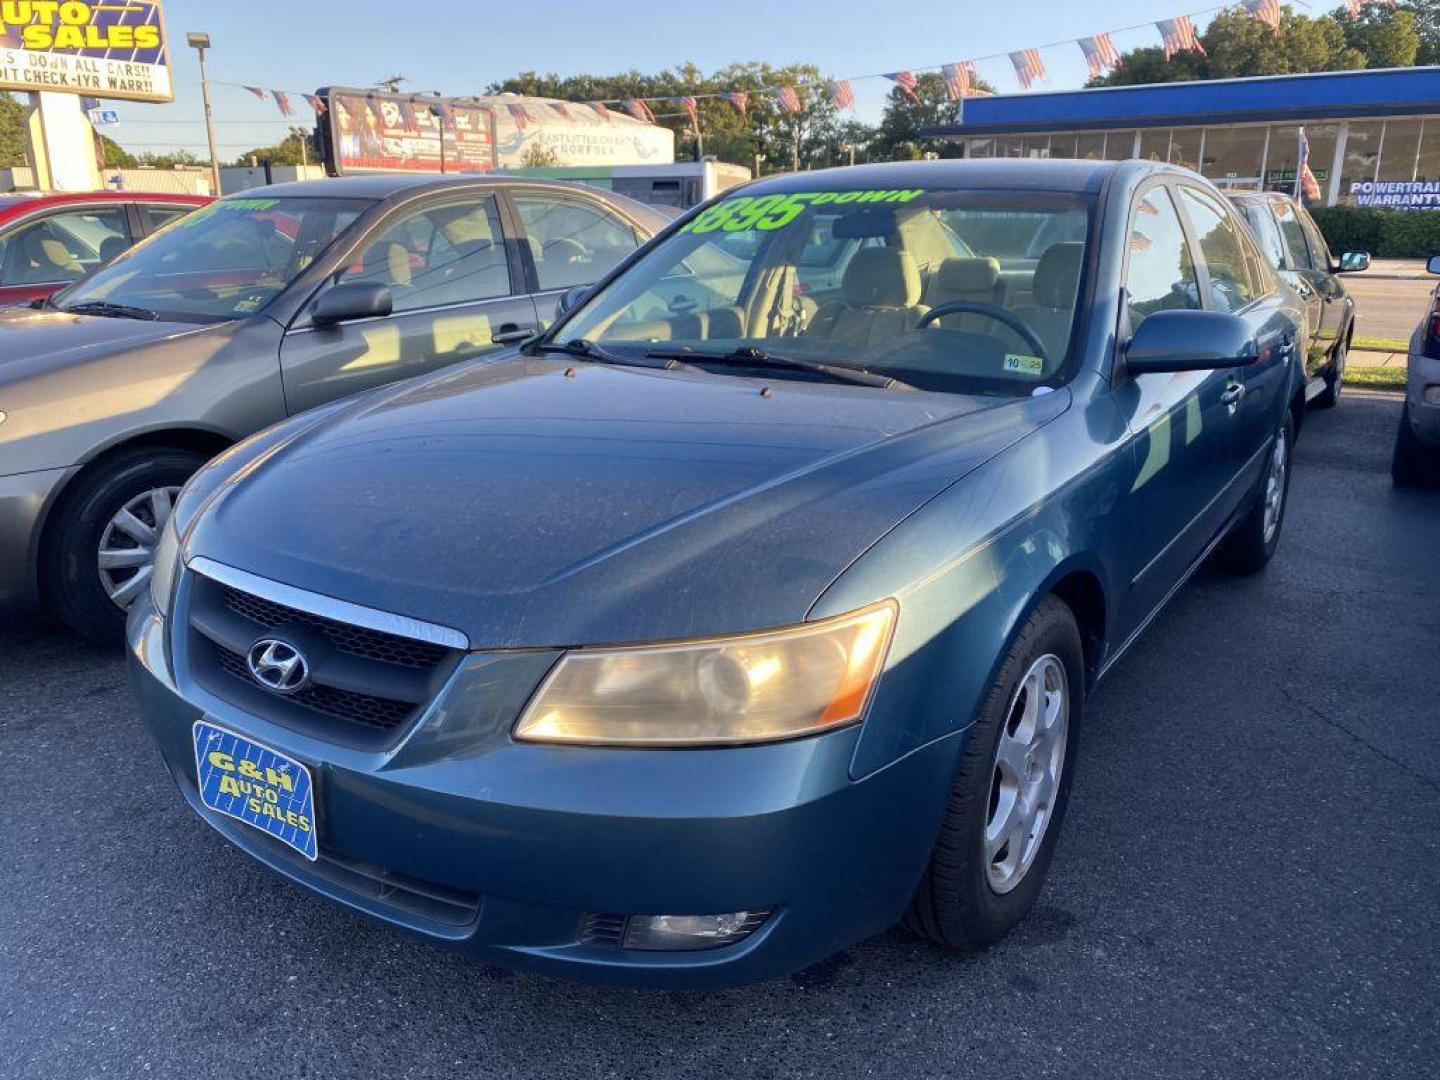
1271 98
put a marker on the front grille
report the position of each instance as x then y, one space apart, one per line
364 683
364 709
355 640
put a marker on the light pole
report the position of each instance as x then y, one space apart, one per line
303 138
201 42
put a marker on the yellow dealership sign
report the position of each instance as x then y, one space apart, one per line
103 50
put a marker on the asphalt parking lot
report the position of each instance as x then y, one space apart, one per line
1248 885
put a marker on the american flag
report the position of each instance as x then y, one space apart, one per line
788 98
257 92
1178 35
562 109
841 94
1100 53
1307 187
907 82
282 102
317 103
688 104
1029 68
740 100
520 116
639 110
957 79
1354 6
1267 11
600 110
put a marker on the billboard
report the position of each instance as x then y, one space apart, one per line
374 131
111 50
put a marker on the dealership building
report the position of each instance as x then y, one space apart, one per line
1374 136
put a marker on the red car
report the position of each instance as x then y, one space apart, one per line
48 241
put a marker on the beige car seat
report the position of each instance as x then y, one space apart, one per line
881 290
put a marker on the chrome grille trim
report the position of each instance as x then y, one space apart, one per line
327 606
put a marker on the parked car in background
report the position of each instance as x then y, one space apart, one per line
1416 460
1291 241
256 307
685 647
49 241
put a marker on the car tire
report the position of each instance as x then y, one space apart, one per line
1253 542
964 900
71 574
1334 378
1412 464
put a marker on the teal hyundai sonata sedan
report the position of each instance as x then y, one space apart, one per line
752 607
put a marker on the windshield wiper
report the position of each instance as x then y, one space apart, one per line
750 356
105 309
586 350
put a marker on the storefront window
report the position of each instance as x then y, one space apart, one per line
1429 165
1185 147
1155 144
1119 145
1062 144
1233 156
1035 146
1009 146
1397 153
1090 145
1362 155
980 148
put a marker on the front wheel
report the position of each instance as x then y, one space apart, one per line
1009 795
101 548
1253 542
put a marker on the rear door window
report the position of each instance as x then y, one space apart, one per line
65 246
1297 252
1232 271
572 241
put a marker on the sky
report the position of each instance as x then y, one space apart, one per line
459 47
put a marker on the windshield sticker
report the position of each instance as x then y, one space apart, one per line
1022 364
769 212
226 204
249 304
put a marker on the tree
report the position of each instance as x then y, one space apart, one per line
285 152
1426 16
12 132
539 156
1387 36
898 136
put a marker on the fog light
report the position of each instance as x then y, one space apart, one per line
654 933
1432 395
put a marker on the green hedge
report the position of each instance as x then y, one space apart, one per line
1385 234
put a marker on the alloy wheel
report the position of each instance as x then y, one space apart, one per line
1275 485
126 557
1341 354
1025 780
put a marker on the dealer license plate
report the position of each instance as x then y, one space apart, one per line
254 784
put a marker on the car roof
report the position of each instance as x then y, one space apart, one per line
384 185
1030 174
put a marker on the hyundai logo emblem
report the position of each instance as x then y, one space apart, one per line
278 666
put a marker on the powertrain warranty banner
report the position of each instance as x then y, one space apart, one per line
107 50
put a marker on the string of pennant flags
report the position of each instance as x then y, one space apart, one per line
1177 35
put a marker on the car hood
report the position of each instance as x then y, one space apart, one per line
529 504
33 342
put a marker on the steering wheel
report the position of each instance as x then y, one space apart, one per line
990 311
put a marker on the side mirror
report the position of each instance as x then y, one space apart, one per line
1354 261
1190 340
1433 266
355 300
572 297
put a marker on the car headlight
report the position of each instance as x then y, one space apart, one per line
167 564
751 688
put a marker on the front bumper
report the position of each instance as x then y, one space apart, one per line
508 850
1423 371
23 499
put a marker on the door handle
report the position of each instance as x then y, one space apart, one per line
509 333
1232 395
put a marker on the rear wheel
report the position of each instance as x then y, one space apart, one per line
1334 378
1009 796
101 549
1412 464
1253 542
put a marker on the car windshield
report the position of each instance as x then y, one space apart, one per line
224 261
952 290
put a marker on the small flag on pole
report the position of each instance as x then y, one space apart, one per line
788 98
841 94
639 110
1100 53
1307 187
957 79
282 102
1029 68
1266 11
740 100
316 103
257 92
1178 35
691 109
907 82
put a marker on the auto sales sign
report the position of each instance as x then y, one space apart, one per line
116 49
